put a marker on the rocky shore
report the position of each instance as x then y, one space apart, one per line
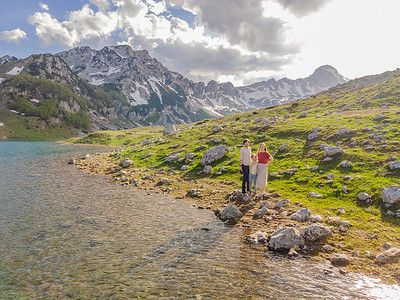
270 220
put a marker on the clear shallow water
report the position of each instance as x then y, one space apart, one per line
67 234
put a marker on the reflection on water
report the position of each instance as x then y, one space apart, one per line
69 234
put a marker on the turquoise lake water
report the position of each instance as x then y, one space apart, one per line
67 234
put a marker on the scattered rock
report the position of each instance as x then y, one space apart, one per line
301 215
340 260
393 254
217 128
214 154
344 189
315 219
263 212
332 151
314 168
125 162
258 237
284 239
341 211
231 213
394 165
208 170
169 129
381 257
172 157
259 119
72 161
283 147
185 168
315 232
315 195
391 194
387 245
282 203
345 164
292 253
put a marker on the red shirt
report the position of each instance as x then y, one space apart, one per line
263 157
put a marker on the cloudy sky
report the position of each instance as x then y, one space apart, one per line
242 41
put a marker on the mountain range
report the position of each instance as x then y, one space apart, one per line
117 87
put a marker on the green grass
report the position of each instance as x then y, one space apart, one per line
366 171
19 127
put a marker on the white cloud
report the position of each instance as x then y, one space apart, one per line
102 5
43 6
13 36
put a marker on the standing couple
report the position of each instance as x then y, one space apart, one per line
254 167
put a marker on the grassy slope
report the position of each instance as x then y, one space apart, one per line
19 127
367 167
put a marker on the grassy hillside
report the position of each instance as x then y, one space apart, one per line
367 146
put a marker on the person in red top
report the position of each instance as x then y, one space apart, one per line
264 160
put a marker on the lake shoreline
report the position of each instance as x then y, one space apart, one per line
173 184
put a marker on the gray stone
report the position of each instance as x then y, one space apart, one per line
284 239
340 260
189 156
387 245
394 165
208 170
301 215
172 157
282 203
283 147
184 167
313 135
259 119
332 151
315 219
345 164
125 162
72 161
263 212
379 117
314 168
315 195
258 237
217 128
169 129
381 257
344 189
341 211
265 204
393 254
363 196
326 159
214 154
231 213
391 194
315 232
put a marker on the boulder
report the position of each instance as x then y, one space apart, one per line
315 232
72 161
363 196
340 260
283 147
263 212
169 129
125 162
284 239
207 170
231 213
258 237
393 165
282 203
259 119
391 194
315 195
345 164
393 254
172 157
214 154
301 215
315 219
313 135
189 156
217 128
332 151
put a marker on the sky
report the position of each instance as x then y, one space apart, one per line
242 41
